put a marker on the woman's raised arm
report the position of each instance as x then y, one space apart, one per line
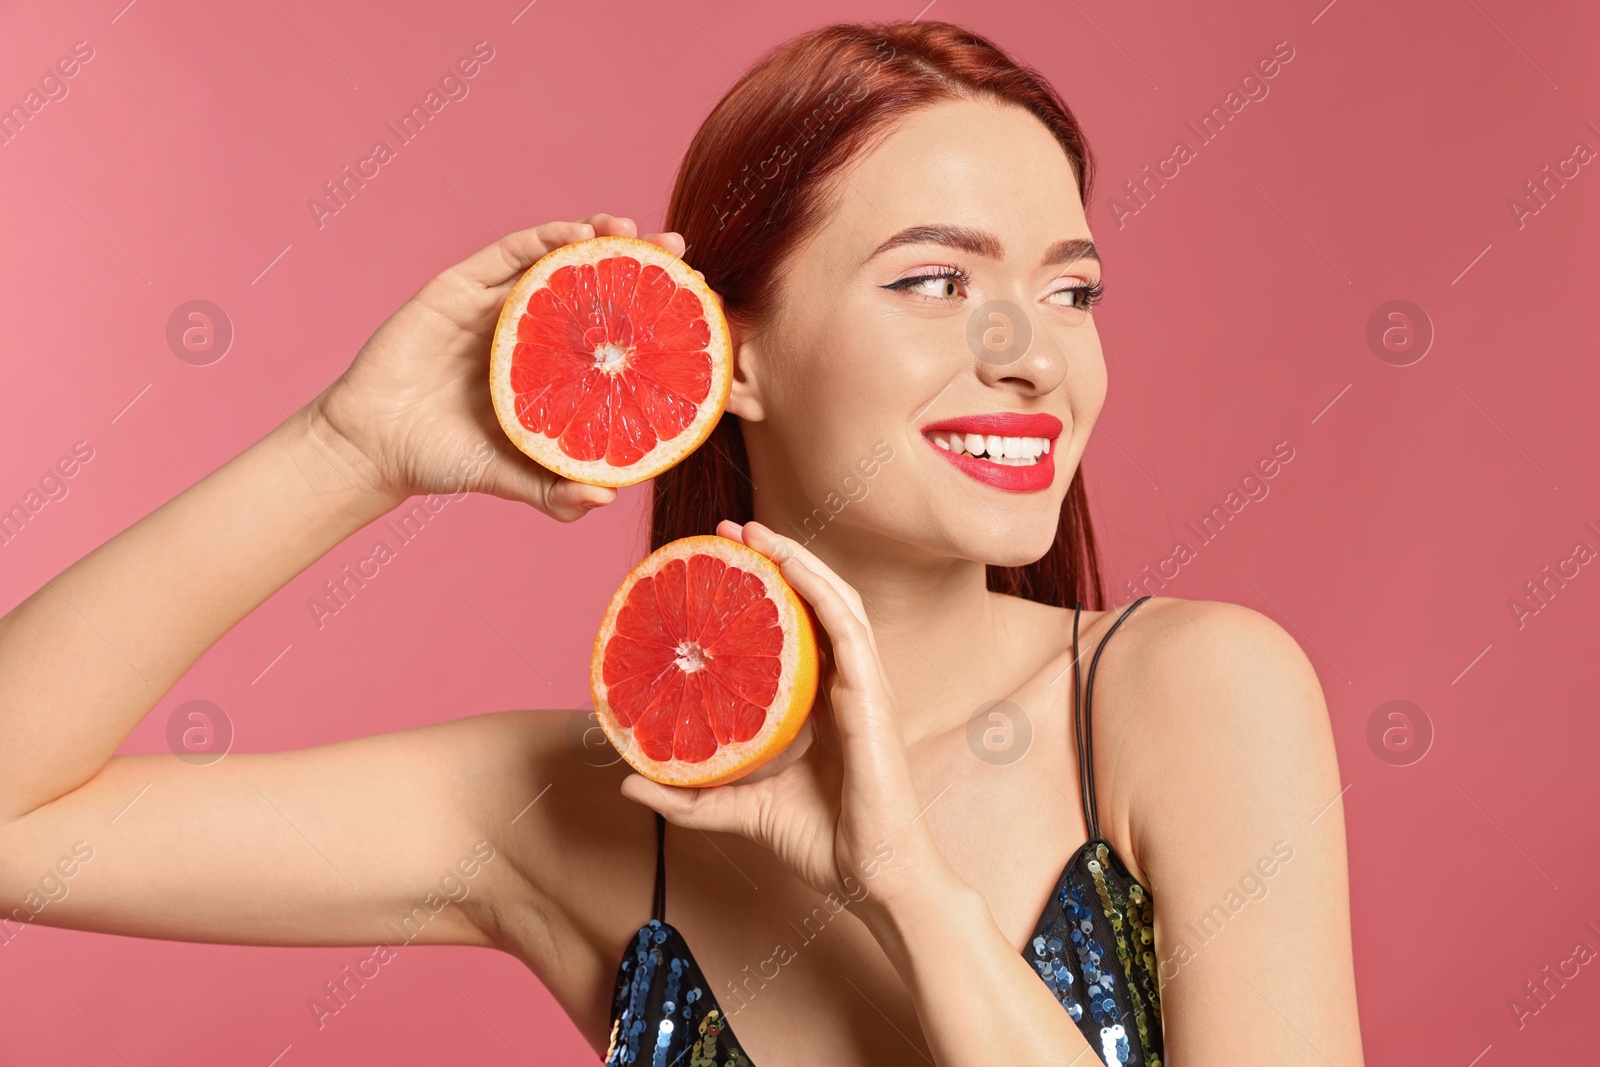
87 656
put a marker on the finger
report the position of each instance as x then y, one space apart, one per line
515 476
501 262
823 723
855 654
672 242
612 225
813 584
772 544
527 482
782 550
722 808
566 500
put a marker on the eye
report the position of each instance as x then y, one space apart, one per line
939 283
1082 296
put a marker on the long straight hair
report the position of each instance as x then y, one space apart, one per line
753 184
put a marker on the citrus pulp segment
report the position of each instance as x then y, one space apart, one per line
611 361
705 666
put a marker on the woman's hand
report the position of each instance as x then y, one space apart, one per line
845 805
415 404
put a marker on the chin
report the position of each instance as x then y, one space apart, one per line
1009 549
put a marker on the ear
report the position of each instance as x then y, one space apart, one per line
744 397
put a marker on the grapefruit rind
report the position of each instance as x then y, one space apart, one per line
545 450
791 703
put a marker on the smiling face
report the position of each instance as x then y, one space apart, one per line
940 309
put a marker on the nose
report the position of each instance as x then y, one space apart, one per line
1016 348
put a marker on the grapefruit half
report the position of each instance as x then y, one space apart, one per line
706 664
611 361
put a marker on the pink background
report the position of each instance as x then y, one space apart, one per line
1419 500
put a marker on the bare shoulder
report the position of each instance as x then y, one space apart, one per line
1227 788
1213 707
1213 672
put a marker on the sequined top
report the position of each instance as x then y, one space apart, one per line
1094 947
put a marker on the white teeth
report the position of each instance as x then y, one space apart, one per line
1012 451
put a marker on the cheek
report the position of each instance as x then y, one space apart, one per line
845 386
1084 386
1086 381
1088 375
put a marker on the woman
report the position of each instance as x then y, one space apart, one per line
894 217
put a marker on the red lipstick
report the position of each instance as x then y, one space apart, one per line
1015 478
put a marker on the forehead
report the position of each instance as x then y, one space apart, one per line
981 164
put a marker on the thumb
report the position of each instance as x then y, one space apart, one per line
528 482
567 501
719 808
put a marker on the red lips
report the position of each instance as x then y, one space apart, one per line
1019 479
1003 424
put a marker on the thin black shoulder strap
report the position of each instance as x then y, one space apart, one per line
658 903
1083 726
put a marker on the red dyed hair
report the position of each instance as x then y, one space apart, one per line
754 183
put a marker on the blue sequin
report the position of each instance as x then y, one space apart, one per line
1093 948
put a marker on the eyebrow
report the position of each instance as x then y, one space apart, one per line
980 243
